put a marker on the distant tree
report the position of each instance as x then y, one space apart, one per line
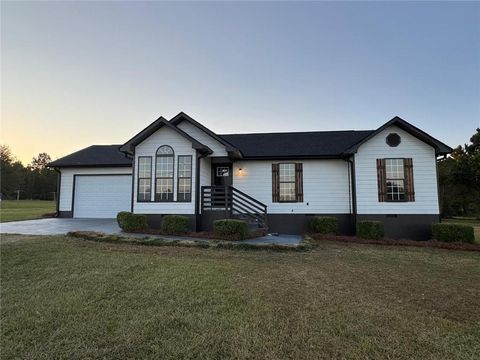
6 156
12 172
40 162
459 180
35 181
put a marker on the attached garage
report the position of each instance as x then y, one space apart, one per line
101 196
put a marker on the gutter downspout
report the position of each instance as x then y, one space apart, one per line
354 190
59 181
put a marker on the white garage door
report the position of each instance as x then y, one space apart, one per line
102 196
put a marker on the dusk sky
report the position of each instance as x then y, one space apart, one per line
77 74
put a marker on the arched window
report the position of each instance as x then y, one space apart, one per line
164 173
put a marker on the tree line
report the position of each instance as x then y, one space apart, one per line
34 181
459 180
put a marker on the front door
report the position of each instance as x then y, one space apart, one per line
222 175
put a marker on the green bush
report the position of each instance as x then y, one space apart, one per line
370 230
323 225
174 224
231 229
131 222
453 233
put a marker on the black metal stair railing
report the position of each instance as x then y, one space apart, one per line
234 203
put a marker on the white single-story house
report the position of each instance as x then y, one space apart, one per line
275 180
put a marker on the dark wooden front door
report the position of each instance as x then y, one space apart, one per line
222 175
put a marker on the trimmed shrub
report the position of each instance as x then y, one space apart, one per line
174 224
323 225
370 230
453 233
231 229
131 222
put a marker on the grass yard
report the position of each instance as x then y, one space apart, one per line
467 221
72 299
13 210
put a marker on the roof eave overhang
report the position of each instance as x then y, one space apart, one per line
293 157
86 165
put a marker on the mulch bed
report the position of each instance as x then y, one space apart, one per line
205 244
203 234
393 242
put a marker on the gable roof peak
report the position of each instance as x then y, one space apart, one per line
153 127
181 116
440 148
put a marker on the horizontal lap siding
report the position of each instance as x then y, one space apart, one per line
205 172
66 182
424 175
325 186
181 146
201 136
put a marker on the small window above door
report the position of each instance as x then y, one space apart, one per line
223 171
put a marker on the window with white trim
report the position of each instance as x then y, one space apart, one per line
164 170
395 176
184 187
287 182
144 179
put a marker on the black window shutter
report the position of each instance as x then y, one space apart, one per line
299 181
275 183
409 189
381 180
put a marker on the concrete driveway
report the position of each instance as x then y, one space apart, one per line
57 226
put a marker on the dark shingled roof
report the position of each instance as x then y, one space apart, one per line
315 144
95 155
286 145
319 144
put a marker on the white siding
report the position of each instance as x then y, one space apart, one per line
66 182
424 175
325 186
181 146
201 136
205 172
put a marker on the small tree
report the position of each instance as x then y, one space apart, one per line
41 161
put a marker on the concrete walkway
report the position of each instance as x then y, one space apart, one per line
59 226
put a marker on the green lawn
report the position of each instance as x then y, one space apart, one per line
71 299
467 221
13 210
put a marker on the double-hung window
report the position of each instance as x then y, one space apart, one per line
164 173
184 187
395 180
144 180
287 182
